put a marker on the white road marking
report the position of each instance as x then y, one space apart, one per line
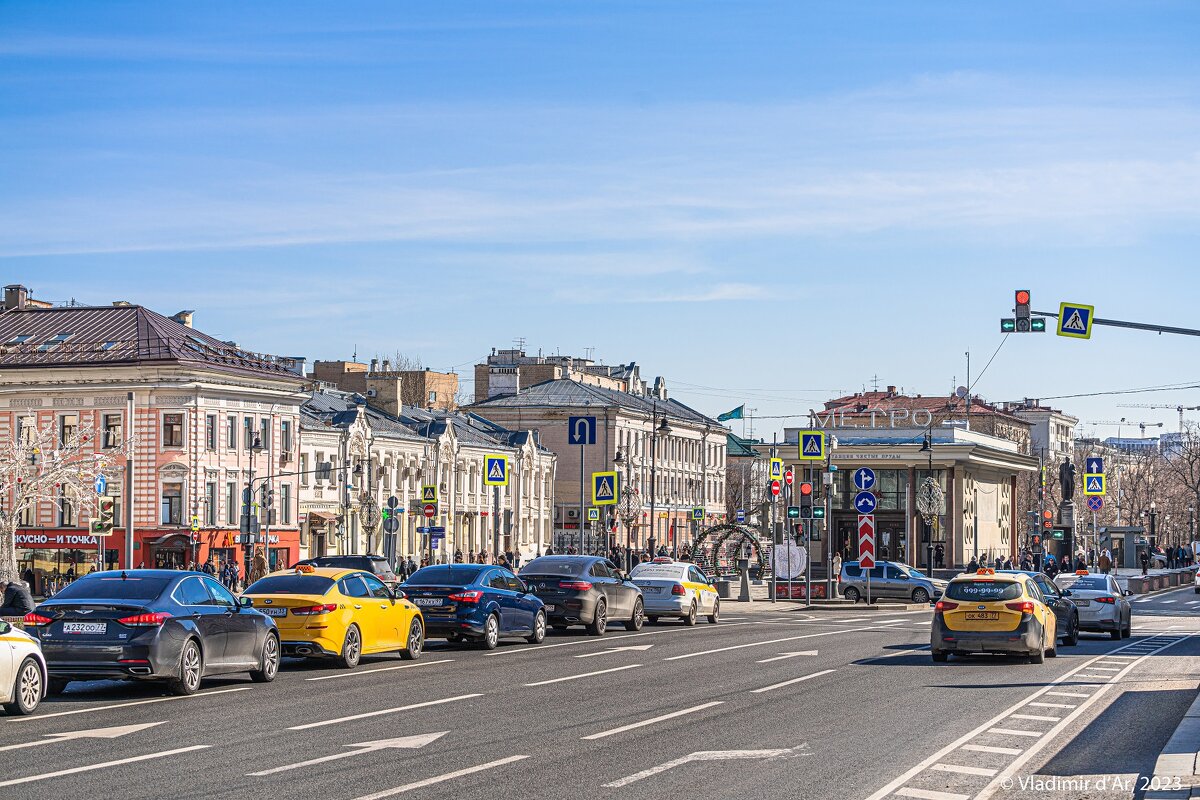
124 705
983 748
1164 602
458 773
926 794
783 656
637 647
793 680
404 742
1069 694
864 662
1194 602
360 672
516 650
855 619
1105 669
706 755
584 675
651 721
103 765
1053 705
382 711
94 733
987 773
1014 732
771 641
1034 717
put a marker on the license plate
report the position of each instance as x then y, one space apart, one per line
274 612
549 608
1082 603
983 615
651 589
427 601
85 627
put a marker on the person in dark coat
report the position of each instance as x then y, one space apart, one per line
17 600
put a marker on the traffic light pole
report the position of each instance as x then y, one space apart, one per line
774 544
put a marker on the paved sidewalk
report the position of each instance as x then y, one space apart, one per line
1179 762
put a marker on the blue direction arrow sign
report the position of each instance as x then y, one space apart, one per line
1095 503
741 515
581 430
1095 464
864 503
864 478
101 484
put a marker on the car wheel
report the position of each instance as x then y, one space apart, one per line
940 658
191 669
1038 656
639 617
27 689
491 633
56 686
1115 633
415 643
599 623
853 595
539 629
1072 637
1128 628
920 596
351 649
690 619
716 612
653 619
269 662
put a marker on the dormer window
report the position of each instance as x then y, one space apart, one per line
54 341
20 338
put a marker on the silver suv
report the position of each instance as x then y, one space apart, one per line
889 581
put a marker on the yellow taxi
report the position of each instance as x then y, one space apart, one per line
330 612
986 612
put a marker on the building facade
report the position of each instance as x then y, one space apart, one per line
507 372
1051 432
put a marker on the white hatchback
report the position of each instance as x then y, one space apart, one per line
22 671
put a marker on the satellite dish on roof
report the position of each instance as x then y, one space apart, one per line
960 391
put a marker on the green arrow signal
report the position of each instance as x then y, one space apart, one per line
1009 325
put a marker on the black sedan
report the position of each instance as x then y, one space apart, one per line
585 590
149 624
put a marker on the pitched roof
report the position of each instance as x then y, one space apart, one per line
110 335
565 393
737 447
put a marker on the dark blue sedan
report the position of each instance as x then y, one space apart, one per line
476 602
150 624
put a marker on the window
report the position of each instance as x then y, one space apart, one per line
68 426
247 432
20 338
433 397
112 431
266 434
497 581
285 435
285 504
172 430
231 432
66 512
231 509
376 587
210 504
108 345
220 594
353 586
172 504
26 429
599 570
54 341
210 432
303 470
514 584
191 592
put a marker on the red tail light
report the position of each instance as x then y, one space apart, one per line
1109 600
575 586
309 611
678 589
945 605
1024 606
468 596
36 620
145 620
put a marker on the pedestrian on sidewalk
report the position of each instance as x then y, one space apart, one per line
17 601
837 563
1105 562
973 566
1144 556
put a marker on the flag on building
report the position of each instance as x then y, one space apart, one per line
735 414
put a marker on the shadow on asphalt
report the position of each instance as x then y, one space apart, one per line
93 691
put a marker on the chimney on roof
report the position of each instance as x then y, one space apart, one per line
387 365
121 303
184 318
891 391
374 365
15 296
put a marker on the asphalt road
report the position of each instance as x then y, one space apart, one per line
769 703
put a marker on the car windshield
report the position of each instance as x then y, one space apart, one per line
444 576
555 566
290 584
113 587
1095 583
983 591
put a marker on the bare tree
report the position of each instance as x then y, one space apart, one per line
37 467
401 362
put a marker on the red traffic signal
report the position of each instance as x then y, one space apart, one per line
1047 514
805 488
775 488
1022 311
1022 297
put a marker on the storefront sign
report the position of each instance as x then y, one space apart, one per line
868 456
54 540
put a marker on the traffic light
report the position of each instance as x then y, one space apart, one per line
1022 311
103 524
793 512
1047 516
806 500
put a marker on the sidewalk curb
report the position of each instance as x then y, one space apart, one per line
1180 758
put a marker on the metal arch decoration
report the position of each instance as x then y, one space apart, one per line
718 535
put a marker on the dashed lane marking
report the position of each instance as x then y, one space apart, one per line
196 696
774 641
651 721
361 672
383 711
792 681
584 675
608 640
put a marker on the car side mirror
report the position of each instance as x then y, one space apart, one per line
1066 592
398 594
246 602
4 627
1129 592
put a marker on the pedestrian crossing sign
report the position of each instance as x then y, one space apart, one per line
604 488
429 494
593 515
698 514
495 470
812 445
1093 484
1075 320
776 469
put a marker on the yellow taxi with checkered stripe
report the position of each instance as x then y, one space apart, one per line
675 589
331 612
986 612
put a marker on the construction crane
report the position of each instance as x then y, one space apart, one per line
1125 422
1179 408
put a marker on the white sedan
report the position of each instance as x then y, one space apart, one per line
675 589
22 671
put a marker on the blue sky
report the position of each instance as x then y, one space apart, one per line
764 202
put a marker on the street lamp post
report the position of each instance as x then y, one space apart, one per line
256 446
656 430
927 519
629 506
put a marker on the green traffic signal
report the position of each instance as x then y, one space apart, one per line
1009 325
1037 325
818 512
